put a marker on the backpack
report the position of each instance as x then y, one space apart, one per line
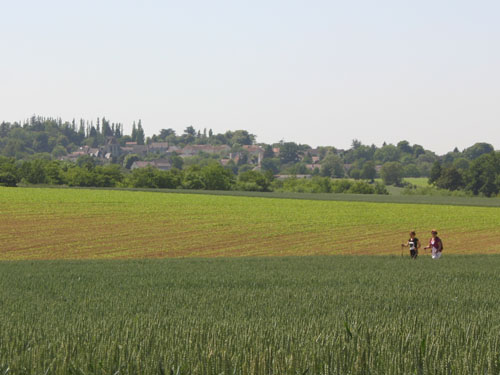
440 240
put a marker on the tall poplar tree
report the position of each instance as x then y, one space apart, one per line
134 133
140 134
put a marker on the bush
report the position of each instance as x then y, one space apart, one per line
380 189
392 173
341 186
151 177
327 185
360 187
432 191
78 176
8 179
252 181
216 177
193 179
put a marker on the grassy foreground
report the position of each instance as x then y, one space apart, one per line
100 224
298 315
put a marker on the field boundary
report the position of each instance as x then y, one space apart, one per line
371 198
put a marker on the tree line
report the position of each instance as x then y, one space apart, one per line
51 139
479 177
87 173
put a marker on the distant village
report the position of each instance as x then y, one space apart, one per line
29 152
254 154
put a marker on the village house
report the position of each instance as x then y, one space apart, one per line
73 157
134 148
235 156
127 150
255 151
174 149
192 150
282 177
141 164
95 152
159 147
161 164
111 149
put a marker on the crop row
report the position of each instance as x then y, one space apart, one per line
318 315
73 224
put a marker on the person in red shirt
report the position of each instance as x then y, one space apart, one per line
435 244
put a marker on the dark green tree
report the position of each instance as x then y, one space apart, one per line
483 176
253 181
130 159
477 150
140 134
241 137
332 166
356 143
216 177
404 146
418 150
190 130
289 152
87 162
176 161
387 153
193 178
355 173
369 172
268 152
392 173
435 172
41 142
450 179
271 164
164 133
134 133
8 179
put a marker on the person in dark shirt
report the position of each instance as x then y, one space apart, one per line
414 244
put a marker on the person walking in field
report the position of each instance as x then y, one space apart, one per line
435 244
414 244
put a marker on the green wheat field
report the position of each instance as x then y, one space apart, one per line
282 315
128 282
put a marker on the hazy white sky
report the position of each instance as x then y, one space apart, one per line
315 72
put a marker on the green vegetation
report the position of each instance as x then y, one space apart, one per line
212 176
104 155
96 224
328 315
327 185
480 176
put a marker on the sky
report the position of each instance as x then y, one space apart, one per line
312 72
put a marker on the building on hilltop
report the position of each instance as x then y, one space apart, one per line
159 147
255 151
111 149
192 150
160 164
287 176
